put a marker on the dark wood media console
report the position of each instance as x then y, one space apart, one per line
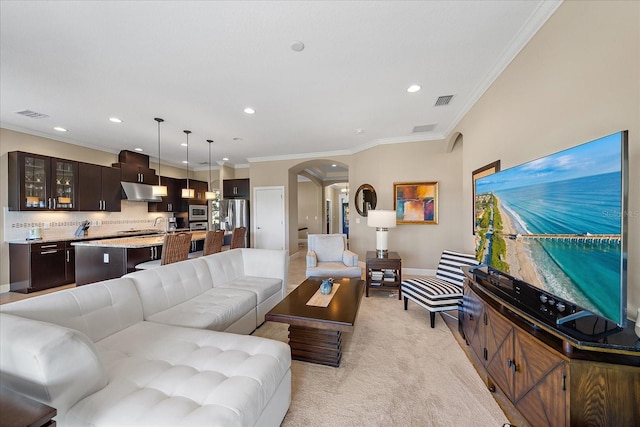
550 376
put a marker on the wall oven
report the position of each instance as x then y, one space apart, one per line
198 213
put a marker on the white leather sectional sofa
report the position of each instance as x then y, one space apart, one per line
154 348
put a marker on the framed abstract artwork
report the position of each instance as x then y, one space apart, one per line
489 169
416 202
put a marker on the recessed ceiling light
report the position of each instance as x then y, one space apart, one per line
413 88
60 129
184 144
334 165
359 131
115 120
185 162
138 149
249 110
225 159
297 46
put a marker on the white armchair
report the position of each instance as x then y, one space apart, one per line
328 256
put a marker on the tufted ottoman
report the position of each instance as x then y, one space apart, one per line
161 375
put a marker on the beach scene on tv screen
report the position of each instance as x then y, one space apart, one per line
555 223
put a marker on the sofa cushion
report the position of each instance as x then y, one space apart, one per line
225 267
97 310
328 247
215 309
263 287
334 269
51 364
161 375
170 285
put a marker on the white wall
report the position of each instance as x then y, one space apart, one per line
310 207
577 80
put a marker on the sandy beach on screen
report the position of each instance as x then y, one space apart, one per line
518 252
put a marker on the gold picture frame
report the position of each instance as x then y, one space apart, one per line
489 169
416 202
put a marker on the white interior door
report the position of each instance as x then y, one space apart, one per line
269 224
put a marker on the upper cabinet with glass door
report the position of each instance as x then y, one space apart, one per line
40 183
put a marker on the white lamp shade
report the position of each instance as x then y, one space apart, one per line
159 190
381 218
188 193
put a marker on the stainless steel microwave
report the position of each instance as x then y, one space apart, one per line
198 213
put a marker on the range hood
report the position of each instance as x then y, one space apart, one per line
139 192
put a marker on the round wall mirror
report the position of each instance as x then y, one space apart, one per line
365 199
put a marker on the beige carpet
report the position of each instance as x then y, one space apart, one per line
395 371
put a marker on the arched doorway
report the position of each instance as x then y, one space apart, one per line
318 200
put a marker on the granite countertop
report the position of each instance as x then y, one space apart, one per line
135 241
91 236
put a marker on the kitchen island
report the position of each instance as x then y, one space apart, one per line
105 259
49 261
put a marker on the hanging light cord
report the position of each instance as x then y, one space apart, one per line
209 141
187 132
159 120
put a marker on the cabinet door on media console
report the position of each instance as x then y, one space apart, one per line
531 376
535 372
473 324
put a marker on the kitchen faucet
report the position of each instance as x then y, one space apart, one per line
158 219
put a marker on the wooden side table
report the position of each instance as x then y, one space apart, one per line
384 273
20 411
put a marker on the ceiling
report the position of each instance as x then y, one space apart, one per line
198 65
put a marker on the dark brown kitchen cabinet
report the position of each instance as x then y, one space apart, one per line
136 173
39 266
135 256
199 196
235 188
199 190
196 245
41 183
98 188
70 262
172 201
134 167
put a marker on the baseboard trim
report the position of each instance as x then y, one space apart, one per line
418 272
5 288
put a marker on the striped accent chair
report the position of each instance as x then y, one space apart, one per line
442 291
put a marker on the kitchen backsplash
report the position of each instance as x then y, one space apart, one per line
134 216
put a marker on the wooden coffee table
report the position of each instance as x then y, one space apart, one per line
315 333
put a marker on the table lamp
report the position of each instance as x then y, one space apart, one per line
382 220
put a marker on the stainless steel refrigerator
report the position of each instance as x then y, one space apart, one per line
230 213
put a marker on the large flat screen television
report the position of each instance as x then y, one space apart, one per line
559 223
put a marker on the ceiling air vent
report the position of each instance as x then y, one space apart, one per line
443 100
424 128
32 114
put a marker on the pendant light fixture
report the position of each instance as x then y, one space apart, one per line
209 195
188 193
159 190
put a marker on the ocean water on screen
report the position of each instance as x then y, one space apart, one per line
588 274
